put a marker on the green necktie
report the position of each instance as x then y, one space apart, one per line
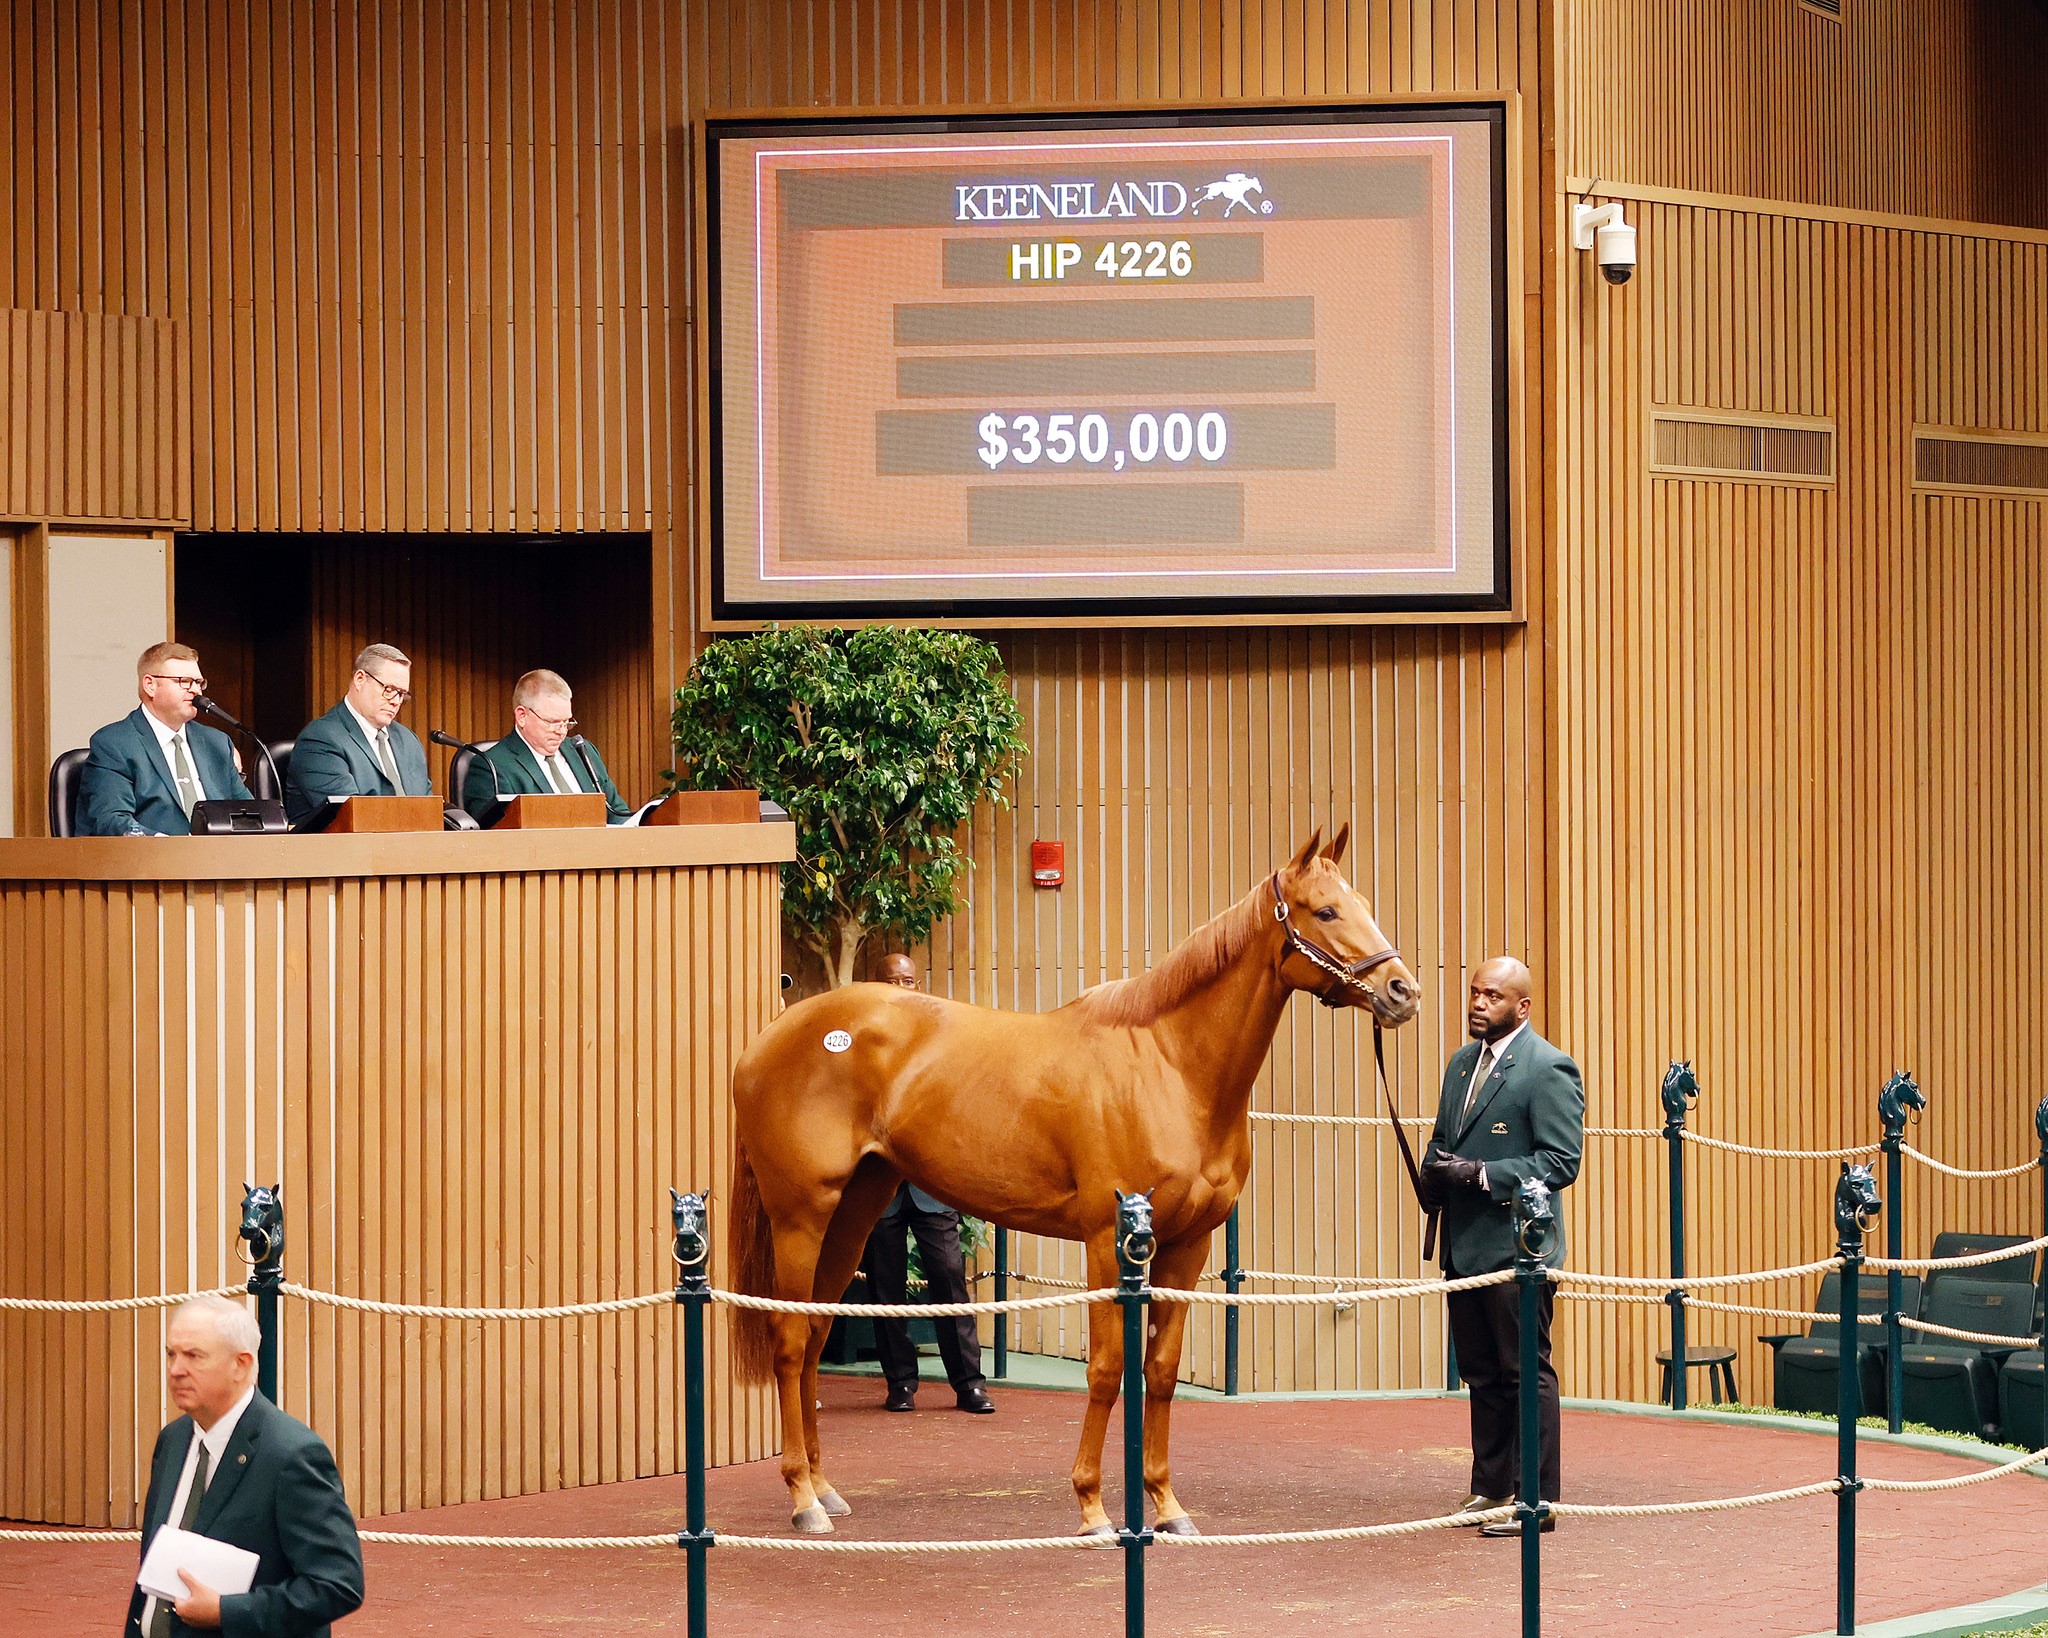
160 1623
188 781
384 761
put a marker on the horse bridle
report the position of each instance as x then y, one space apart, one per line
1344 977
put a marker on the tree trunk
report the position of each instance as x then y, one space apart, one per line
850 934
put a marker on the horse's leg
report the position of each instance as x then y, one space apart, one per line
859 1208
1105 1375
1175 1267
796 1258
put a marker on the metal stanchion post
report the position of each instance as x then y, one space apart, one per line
1233 1282
1535 1233
262 1231
693 1296
1002 1295
1134 1248
1856 1203
1895 1103
1679 1092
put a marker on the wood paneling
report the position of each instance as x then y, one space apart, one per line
93 424
1917 107
475 1087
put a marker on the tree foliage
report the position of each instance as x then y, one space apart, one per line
880 743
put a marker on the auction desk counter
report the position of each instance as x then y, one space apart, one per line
475 1062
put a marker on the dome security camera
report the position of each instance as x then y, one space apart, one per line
1603 230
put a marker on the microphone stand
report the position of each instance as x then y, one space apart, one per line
212 708
454 744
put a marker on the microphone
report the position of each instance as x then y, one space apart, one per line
454 744
583 754
212 708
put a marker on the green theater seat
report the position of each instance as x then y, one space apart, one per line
1954 1385
1804 1369
2022 1416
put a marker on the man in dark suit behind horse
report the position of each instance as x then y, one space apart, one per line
886 1261
360 748
236 1468
1513 1108
144 774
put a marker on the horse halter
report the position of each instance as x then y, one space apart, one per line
1344 977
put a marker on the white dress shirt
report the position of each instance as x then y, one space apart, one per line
215 1439
555 769
165 733
370 731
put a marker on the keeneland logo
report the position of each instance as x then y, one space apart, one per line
1098 201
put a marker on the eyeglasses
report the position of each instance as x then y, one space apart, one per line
397 696
566 724
196 684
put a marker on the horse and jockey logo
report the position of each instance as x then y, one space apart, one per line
1234 190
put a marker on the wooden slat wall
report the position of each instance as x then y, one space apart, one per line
1915 107
1800 780
474 1089
92 417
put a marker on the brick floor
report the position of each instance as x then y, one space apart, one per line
1239 1467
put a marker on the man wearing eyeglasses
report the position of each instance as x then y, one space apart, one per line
542 754
360 748
144 774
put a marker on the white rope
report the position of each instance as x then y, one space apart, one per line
1806 1314
1623 1131
1311 1299
1338 1120
113 1305
1920 1265
821 1544
409 1538
914 1310
410 1310
1343 1282
1691 1136
1692 1282
1353 1532
86 1537
1922 1485
1962 1171
1989 1337
1057 1285
1721 1504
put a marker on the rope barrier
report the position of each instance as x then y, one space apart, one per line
1293 1119
1920 1265
1697 1282
820 1544
112 1305
1720 1504
1961 1171
1922 1486
411 1538
1988 1337
1351 1532
412 1310
1310 1299
913 1310
79 1537
1690 1136
1694 1304
1623 1131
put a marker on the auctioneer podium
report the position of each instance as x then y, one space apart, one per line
476 1062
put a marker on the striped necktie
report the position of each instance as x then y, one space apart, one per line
189 792
384 761
1480 1071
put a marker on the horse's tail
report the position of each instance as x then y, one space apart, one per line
753 1272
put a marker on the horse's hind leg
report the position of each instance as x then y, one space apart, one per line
1105 1374
1177 1268
859 1208
796 1256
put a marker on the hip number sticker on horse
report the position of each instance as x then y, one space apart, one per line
837 1040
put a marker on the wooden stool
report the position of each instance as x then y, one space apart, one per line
1720 1364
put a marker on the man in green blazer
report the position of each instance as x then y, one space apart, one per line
1513 1108
236 1468
144 774
542 754
360 748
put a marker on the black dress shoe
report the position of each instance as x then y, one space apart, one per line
975 1401
902 1397
1513 1527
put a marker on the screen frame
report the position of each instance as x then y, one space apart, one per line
1501 604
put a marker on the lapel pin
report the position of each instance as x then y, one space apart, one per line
243 1459
1500 1129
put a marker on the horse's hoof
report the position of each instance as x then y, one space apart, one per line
834 1504
811 1521
1101 1531
1182 1526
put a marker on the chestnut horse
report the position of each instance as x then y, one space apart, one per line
1033 1121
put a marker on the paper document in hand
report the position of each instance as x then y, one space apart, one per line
223 1566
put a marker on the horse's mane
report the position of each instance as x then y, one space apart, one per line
1189 965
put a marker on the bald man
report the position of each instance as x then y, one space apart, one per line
1513 1108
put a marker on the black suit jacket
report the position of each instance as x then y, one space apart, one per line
1528 1120
278 1494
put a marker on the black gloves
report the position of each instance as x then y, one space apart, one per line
1441 1173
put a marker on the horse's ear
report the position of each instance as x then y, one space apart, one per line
1335 851
1308 849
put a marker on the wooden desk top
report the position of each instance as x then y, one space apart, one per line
426 853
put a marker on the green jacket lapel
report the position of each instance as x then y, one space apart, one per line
167 1476
530 779
362 752
1488 1092
234 1462
151 754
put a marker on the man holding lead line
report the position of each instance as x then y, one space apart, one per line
1513 1108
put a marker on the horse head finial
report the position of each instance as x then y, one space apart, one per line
1680 1091
1135 1241
1898 1102
692 1216
262 1230
1535 1218
1856 1202
2041 1122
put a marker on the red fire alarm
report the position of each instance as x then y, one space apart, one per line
1048 864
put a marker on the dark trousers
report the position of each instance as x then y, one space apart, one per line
887 1264
1486 1329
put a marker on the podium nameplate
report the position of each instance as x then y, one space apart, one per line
384 815
551 812
707 808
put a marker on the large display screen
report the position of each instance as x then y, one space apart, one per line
1193 363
